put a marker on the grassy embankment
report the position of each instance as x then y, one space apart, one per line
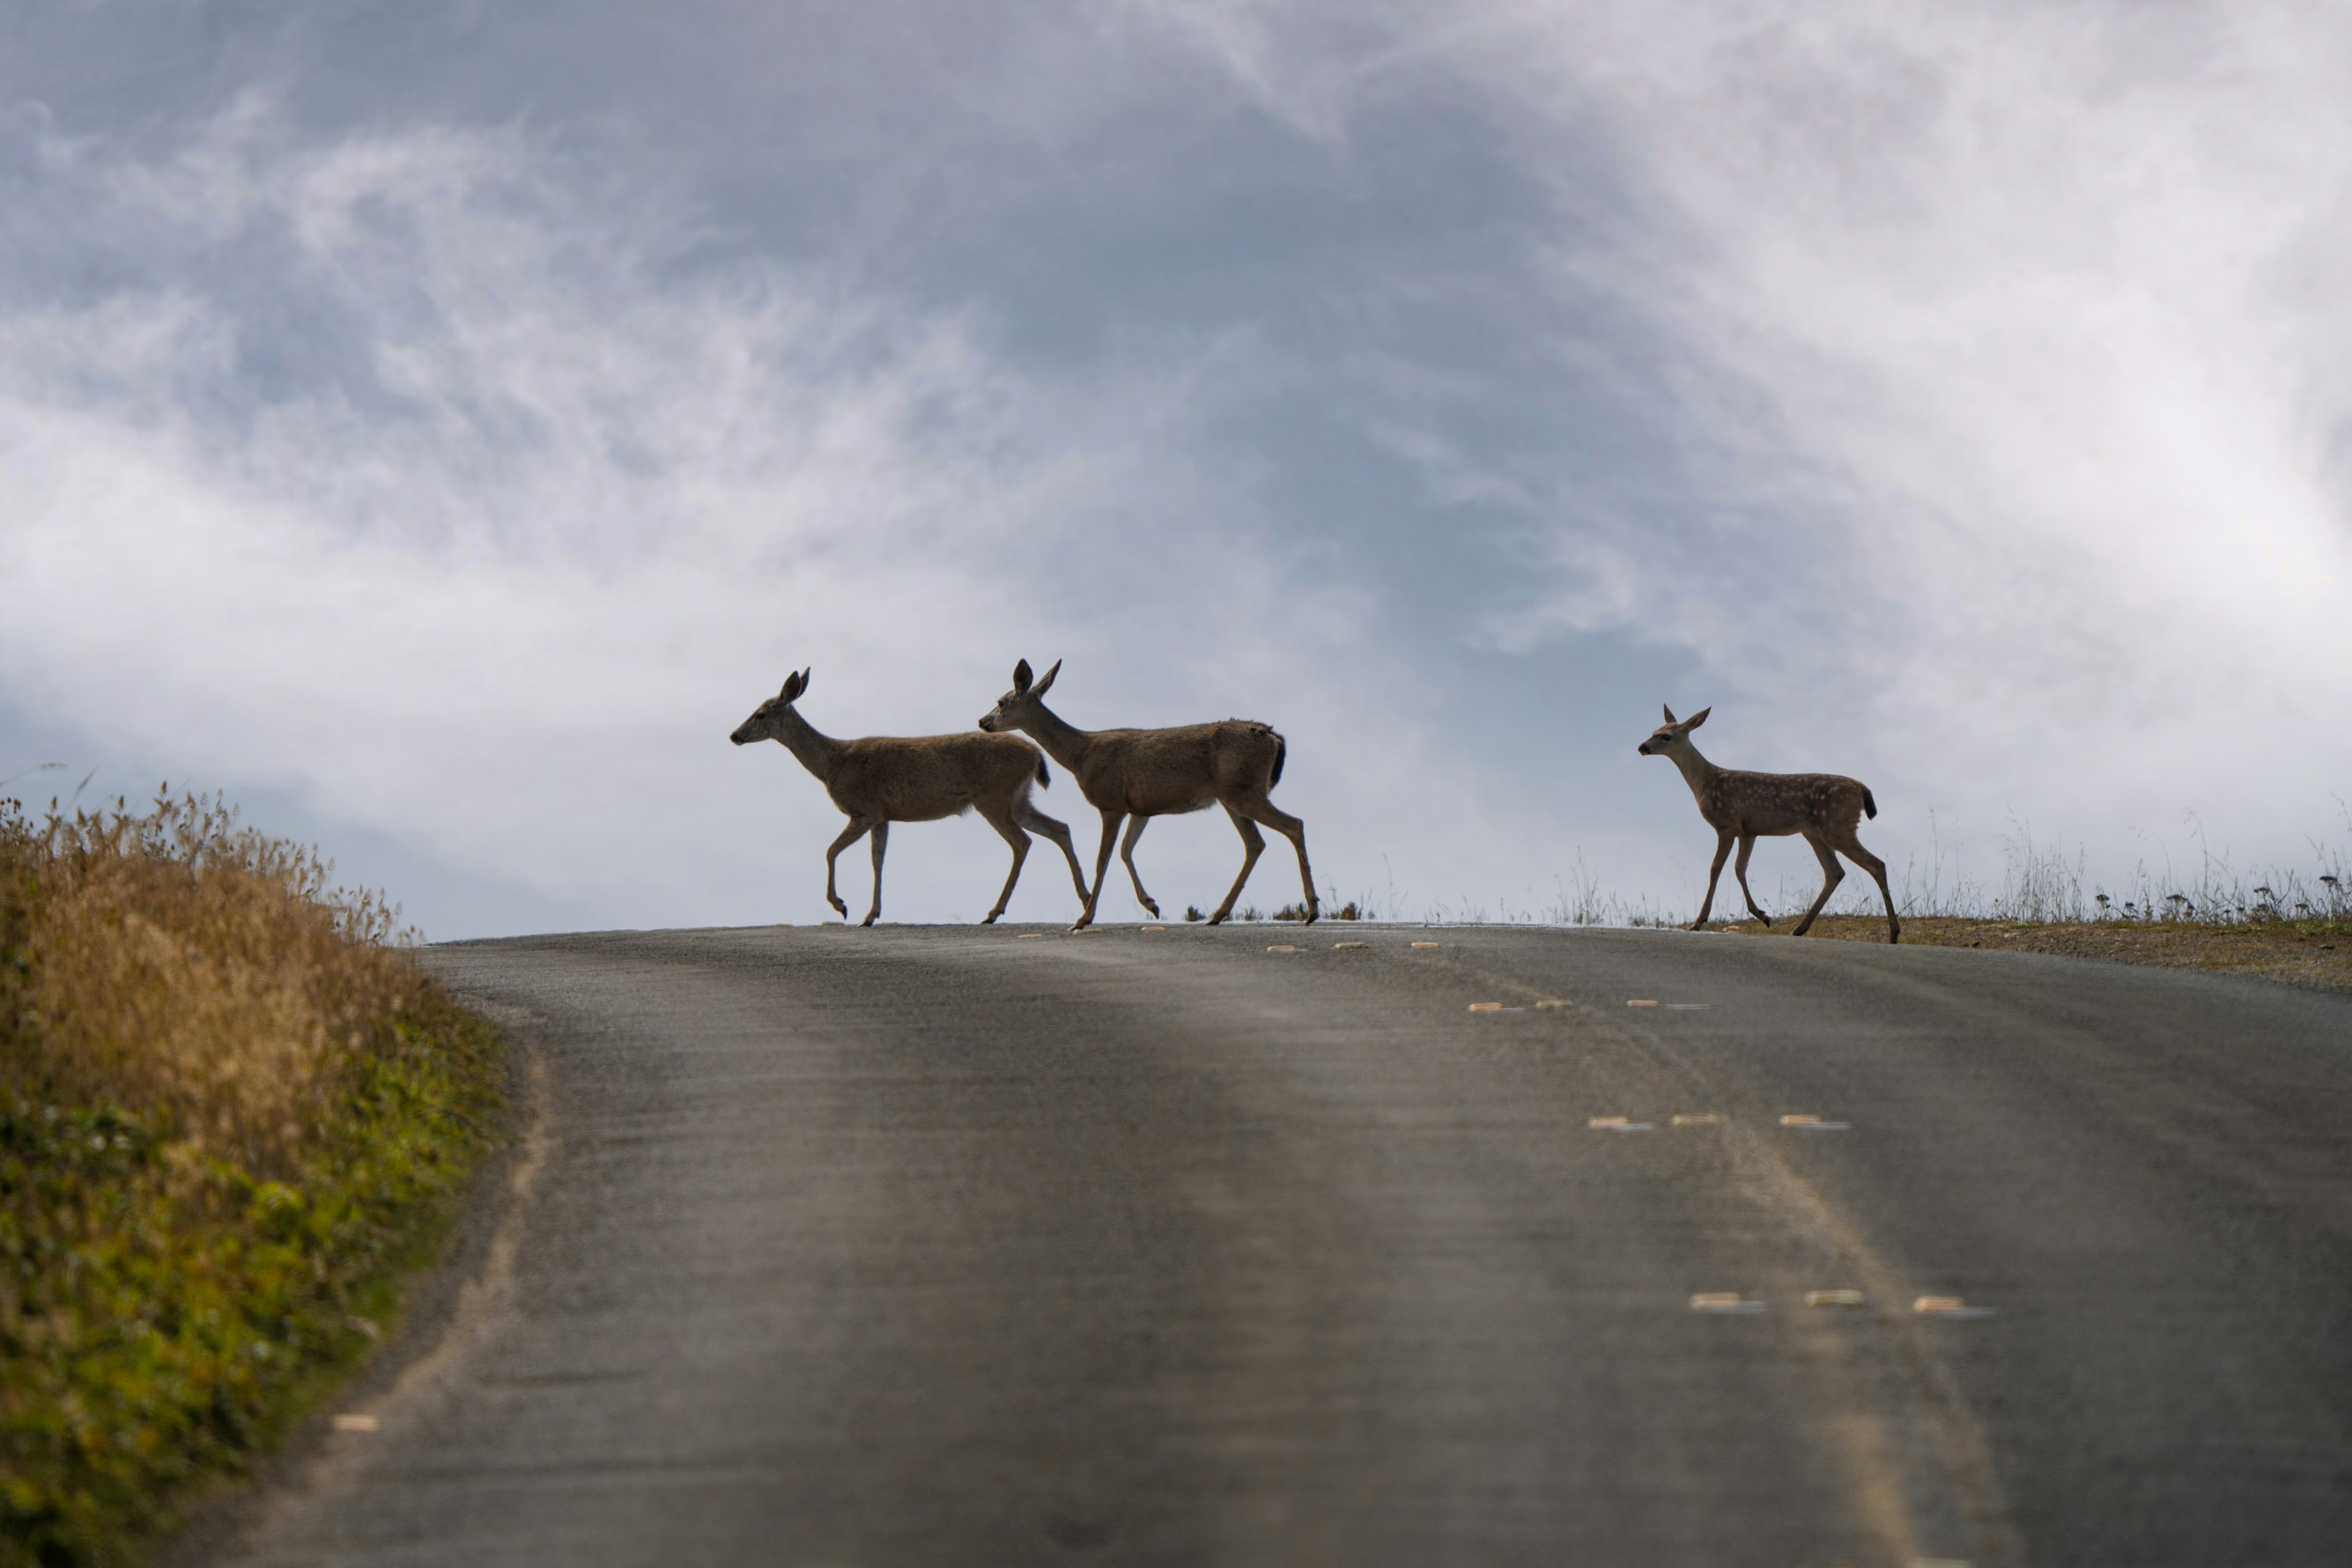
235 1116
2292 924
2308 952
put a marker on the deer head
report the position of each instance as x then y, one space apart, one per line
1019 705
1673 733
767 720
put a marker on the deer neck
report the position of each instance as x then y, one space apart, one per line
1063 742
817 751
1698 771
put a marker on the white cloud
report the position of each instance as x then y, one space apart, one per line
1984 372
2012 336
502 591
512 609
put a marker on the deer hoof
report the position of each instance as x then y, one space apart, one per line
868 920
1152 907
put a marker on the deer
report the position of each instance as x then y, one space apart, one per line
1826 808
1144 773
878 780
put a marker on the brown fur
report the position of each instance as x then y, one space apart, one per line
1827 809
1144 773
878 780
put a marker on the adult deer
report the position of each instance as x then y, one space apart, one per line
881 779
1145 773
1825 807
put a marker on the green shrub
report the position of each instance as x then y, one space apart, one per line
234 1115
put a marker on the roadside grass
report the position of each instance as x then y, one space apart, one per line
234 1117
2290 923
2310 952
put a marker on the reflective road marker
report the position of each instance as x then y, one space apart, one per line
1833 1298
1805 1123
1724 1301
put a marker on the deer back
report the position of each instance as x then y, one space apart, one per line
1158 773
1773 803
919 778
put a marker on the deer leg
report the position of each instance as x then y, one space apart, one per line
1056 832
1854 852
1253 846
1713 872
1831 875
1739 869
1127 854
849 836
1260 809
881 842
1010 831
1111 819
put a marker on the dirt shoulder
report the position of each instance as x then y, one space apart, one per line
2306 953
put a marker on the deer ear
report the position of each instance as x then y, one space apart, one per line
1021 676
1698 718
795 684
1049 678
1668 711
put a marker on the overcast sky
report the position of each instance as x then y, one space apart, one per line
438 424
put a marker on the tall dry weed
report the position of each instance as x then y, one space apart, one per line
171 961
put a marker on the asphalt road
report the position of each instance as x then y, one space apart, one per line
966 1246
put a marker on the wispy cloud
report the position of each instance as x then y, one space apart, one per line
495 586
2004 333
1950 395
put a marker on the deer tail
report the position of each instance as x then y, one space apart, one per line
1281 750
1869 806
1045 773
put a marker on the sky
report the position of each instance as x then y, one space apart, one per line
436 424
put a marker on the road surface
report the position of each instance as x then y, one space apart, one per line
963 1245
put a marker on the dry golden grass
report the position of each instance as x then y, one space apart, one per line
235 1116
2309 953
174 962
